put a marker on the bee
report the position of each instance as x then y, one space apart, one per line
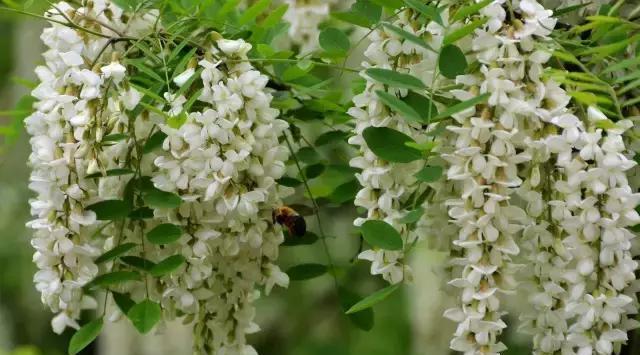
289 218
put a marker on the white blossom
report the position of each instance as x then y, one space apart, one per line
224 161
65 131
386 185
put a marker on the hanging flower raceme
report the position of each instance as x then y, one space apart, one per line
78 111
387 186
305 17
598 209
223 161
495 143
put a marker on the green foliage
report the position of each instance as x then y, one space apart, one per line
306 271
412 216
461 106
408 113
390 145
452 61
429 174
164 233
144 315
110 209
114 278
161 199
408 36
395 79
363 13
85 336
334 42
167 266
429 11
381 235
115 252
373 299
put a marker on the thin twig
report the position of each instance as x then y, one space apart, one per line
316 210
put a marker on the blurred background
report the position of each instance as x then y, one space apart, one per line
305 319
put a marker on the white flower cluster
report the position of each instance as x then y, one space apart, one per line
224 161
78 105
494 145
305 16
597 208
386 186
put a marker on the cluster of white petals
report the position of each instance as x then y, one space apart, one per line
387 186
305 17
497 154
597 208
222 156
78 105
224 161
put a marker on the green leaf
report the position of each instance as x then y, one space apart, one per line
294 72
164 233
467 11
352 18
463 31
390 145
452 61
393 102
373 299
395 79
139 64
609 49
289 181
566 56
461 106
308 155
422 105
430 173
431 12
345 192
275 16
176 122
306 271
155 141
381 234
624 64
313 171
228 6
162 199
412 216
123 301
167 265
606 124
114 137
85 336
114 278
362 320
182 65
334 41
252 13
145 315
331 136
567 9
307 239
391 4
368 9
115 252
138 262
408 36
141 213
108 210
